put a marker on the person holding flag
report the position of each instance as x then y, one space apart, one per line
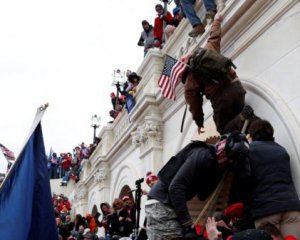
227 95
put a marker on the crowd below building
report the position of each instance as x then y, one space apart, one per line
262 204
67 166
118 221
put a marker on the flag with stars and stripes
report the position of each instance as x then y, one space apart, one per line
171 73
9 155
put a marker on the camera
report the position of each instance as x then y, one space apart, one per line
139 181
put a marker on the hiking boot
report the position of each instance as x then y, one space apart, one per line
248 113
209 17
199 29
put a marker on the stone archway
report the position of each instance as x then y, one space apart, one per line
126 191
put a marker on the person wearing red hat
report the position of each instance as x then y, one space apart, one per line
116 102
151 179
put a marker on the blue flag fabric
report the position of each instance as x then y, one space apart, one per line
26 210
130 102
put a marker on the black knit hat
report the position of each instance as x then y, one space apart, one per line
159 6
145 22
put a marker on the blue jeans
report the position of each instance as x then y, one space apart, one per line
189 10
210 5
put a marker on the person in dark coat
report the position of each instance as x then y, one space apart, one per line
195 170
106 211
127 216
274 197
114 220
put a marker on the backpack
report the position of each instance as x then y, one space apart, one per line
210 66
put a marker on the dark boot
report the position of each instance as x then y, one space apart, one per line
198 29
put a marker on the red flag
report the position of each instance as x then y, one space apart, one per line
173 70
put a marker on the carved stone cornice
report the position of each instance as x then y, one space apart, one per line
101 175
149 132
82 194
139 136
153 129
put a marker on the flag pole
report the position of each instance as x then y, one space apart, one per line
38 117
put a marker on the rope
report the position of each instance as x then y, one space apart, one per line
212 198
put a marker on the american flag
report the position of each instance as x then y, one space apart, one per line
171 73
9 155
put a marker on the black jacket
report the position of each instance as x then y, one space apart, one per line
273 188
193 171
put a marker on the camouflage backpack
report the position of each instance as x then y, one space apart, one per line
210 66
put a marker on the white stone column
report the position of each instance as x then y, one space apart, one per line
102 178
81 199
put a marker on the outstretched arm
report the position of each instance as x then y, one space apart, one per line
178 190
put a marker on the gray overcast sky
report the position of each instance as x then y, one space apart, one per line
64 52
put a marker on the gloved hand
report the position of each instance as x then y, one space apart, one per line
189 233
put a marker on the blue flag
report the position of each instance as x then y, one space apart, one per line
26 210
130 102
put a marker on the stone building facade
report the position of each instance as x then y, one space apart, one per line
263 39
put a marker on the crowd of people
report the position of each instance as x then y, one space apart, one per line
67 165
166 22
262 203
164 25
124 97
118 221
155 36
